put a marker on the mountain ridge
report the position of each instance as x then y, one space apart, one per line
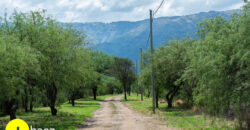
124 38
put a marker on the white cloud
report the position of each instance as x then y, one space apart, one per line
115 10
235 6
83 5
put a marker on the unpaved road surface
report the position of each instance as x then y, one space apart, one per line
114 115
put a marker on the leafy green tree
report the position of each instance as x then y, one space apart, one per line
58 53
113 85
56 45
101 63
145 73
123 70
78 74
225 53
219 67
170 64
145 77
16 62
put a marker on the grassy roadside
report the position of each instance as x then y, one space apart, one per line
68 117
179 118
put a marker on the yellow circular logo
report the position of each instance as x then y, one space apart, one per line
17 124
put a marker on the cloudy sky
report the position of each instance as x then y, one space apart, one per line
115 10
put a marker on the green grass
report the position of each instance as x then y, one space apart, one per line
67 118
176 117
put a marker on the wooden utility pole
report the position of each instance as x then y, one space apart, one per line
137 87
141 73
152 60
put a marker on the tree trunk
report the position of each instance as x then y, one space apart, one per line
157 97
170 105
31 99
73 102
12 115
125 95
72 99
171 94
148 93
137 91
23 102
94 90
45 104
128 90
112 91
52 94
32 82
169 98
53 110
11 107
31 106
26 100
26 107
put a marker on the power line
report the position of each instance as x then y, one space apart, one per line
152 19
158 7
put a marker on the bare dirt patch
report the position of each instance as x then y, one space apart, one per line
114 115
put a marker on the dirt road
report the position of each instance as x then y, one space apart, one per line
114 115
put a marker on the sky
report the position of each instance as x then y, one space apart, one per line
115 10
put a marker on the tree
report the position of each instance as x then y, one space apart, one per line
122 69
145 77
221 69
112 85
16 60
78 74
101 63
146 71
56 46
170 64
94 83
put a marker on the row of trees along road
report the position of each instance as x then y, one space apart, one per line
211 73
43 63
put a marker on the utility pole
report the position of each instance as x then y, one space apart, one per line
141 72
152 60
137 87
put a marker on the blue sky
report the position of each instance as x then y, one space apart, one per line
115 10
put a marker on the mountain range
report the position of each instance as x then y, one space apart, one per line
124 38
